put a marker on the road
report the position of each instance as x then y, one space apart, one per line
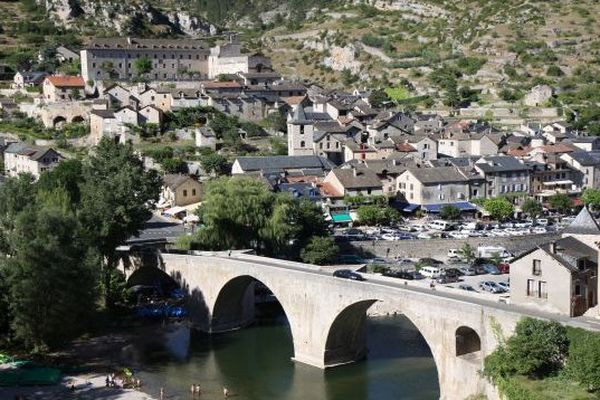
447 293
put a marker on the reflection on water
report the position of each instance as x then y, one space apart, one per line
255 364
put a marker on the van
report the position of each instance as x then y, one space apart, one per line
439 225
492 251
430 272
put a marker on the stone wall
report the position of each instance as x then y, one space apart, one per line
438 248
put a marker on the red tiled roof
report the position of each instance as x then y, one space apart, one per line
66 81
405 148
558 148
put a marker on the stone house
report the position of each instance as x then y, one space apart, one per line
63 88
426 148
64 54
560 276
461 144
353 182
205 137
433 186
585 166
24 79
503 175
22 158
301 130
180 190
160 98
150 115
309 165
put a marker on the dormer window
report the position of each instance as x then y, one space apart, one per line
581 264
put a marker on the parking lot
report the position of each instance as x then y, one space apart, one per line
427 228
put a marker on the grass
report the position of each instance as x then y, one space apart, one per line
555 388
397 93
151 146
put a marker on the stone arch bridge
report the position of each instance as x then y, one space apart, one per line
327 314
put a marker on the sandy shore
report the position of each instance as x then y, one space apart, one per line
87 387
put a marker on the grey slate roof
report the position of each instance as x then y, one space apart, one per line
273 163
352 178
568 250
104 113
33 152
586 158
500 164
173 181
438 175
584 224
146 44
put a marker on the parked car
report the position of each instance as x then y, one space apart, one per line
504 285
542 221
443 279
430 261
466 270
504 268
408 275
467 287
377 260
347 274
491 287
453 253
453 272
491 269
430 272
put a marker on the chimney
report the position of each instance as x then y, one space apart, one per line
354 171
394 162
553 247
128 40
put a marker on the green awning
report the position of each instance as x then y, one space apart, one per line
341 217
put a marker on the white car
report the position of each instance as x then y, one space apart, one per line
540 230
390 237
542 221
424 235
458 235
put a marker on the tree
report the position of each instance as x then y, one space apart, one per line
173 165
374 215
214 163
583 364
378 97
591 198
320 251
467 253
51 274
116 198
561 202
499 208
276 121
450 213
537 349
242 213
142 66
532 208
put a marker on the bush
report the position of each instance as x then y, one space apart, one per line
320 251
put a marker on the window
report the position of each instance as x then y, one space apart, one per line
537 267
302 129
530 287
302 143
185 193
193 192
368 191
411 186
581 264
577 289
542 290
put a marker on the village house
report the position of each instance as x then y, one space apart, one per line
433 188
64 54
58 88
24 79
504 175
560 276
180 190
585 166
301 129
205 137
353 182
310 165
20 158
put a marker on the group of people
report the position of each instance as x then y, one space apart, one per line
195 389
116 382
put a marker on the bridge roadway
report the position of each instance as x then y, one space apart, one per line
327 315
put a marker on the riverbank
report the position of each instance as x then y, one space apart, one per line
86 387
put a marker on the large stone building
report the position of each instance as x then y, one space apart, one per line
171 59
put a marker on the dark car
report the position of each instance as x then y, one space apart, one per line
430 261
468 288
347 274
408 275
443 279
479 270
453 272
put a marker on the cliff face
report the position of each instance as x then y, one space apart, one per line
125 17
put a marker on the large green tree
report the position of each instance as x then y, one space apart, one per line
142 66
51 274
532 208
591 198
561 202
450 213
499 208
116 200
242 212
320 251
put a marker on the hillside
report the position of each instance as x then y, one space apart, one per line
447 53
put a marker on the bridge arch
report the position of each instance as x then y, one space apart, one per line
234 305
59 121
78 119
467 341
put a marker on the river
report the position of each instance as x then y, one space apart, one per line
254 364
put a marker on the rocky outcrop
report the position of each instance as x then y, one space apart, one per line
125 16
